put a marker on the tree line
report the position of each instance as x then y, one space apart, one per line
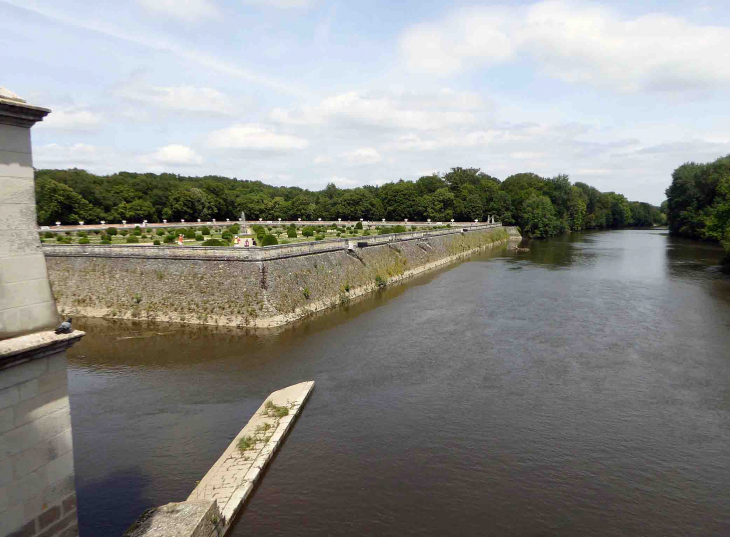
540 206
698 202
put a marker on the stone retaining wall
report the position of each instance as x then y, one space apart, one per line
260 287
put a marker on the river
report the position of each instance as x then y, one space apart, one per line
581 388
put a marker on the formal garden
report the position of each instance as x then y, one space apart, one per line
217 235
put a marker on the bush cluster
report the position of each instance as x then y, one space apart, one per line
268 240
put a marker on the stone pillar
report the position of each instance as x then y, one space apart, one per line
26 303
37 494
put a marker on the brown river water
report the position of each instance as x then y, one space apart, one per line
581 388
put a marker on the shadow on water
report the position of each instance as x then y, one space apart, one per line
105 509
579 388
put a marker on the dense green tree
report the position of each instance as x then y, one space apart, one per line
538 218
462 193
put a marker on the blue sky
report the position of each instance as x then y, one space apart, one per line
306 92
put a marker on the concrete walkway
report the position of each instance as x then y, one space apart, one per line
233 476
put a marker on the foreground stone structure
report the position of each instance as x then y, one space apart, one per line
37 494
212 507
261 287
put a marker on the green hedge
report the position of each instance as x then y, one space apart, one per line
268 240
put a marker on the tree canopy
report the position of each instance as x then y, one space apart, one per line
698 201
540 206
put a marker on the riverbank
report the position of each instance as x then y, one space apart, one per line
261 288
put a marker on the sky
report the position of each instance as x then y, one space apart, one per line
307 92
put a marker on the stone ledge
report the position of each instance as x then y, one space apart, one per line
30 346
198 518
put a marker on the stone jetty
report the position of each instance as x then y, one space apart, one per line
212 507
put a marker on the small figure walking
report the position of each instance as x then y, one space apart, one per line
180 239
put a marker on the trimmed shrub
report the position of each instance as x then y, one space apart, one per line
319 238
169 239
189 233
48 235
111 231
105 237
358 225
82 234
156 242
366 233
268 240
235 229
124 233
199 238
132 239
226 235
137 231
308 232
161 232
204 230
137 228
291 233
214 242
84 240
103 241
59 238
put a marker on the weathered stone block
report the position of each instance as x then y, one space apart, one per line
198 518
42 453
55 529
9 396
14 139
48 517
41 405
23 372
27 530
59 468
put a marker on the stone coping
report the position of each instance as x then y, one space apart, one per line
20 114
232 478
28 346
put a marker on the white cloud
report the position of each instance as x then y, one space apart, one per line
365 155
281 4
186 10
71 119
322 160
173 155
254 137
78 155
180 98
387 110
527 155
341 181
577 42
